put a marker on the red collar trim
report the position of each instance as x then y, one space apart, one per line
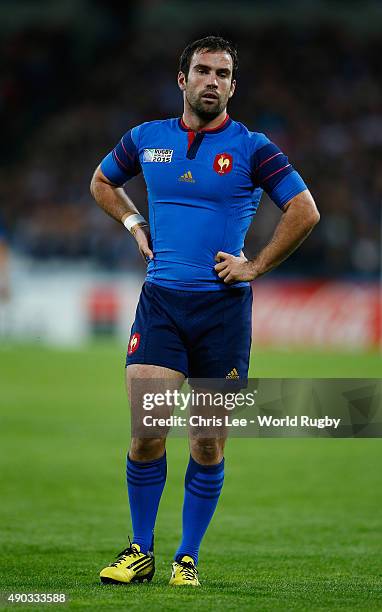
222 126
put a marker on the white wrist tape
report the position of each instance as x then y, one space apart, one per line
132 220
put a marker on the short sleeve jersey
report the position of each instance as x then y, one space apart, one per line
203 190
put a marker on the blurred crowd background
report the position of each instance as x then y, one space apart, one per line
75 76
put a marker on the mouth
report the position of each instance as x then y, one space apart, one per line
210 96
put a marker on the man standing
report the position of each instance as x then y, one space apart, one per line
205 175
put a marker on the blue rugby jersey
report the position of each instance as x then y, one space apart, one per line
203 191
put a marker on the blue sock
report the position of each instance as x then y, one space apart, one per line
145 483
203 484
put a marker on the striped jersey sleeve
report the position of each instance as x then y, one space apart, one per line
272 172
122 163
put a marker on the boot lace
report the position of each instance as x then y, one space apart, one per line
188 570
130 551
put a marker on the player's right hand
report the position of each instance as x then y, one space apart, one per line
143 238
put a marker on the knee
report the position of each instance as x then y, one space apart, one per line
207 451
147 449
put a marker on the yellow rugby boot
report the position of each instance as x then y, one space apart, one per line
184 573
131 565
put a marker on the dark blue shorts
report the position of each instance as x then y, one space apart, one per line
203 334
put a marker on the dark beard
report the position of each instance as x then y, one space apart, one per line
204 113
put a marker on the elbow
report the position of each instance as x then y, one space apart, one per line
314 218
92 186
98 183
312 215
95 184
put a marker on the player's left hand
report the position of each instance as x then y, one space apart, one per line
233 269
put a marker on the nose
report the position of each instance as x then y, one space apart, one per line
212 81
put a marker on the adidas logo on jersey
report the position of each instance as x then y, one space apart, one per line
186 177
233 374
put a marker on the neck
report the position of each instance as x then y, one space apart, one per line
194 122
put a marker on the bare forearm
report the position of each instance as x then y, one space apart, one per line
116 203
113 200
294 227
297 222
284 241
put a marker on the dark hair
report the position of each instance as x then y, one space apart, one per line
209 43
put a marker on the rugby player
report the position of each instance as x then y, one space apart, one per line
205 174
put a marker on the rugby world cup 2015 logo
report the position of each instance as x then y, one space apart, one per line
223 163
134 343
158 155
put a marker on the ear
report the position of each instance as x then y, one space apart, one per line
182 80
232 90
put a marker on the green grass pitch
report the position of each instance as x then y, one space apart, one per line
298 526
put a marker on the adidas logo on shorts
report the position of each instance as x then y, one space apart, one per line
233 374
